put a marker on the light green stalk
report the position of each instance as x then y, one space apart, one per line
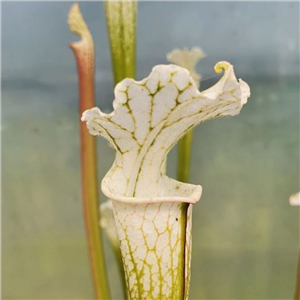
108 224
121 25
297 289
184 157
84 54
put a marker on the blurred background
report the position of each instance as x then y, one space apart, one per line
245 233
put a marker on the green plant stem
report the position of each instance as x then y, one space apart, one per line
183 169
184 157
84 54
121 26
118 256
297 290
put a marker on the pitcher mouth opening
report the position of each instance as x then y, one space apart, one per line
175 192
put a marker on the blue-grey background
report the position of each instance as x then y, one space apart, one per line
245 235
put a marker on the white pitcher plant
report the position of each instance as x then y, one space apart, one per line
152 211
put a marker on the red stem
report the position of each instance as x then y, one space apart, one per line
84 54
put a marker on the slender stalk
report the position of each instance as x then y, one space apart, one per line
118 256
184 157
183 174
297 290
84 54
107 223
121 25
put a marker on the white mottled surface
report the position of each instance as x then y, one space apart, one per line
148 119
155 244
